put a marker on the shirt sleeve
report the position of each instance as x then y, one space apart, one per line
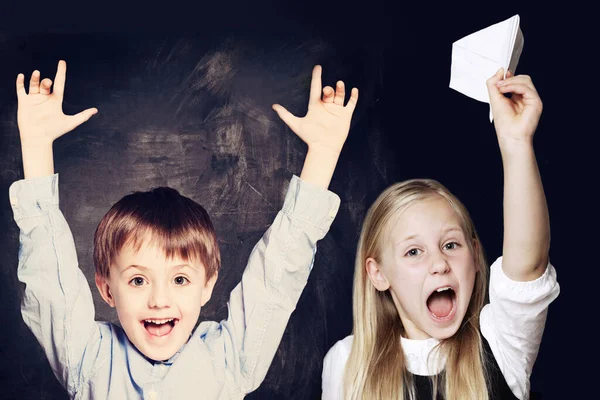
513 323
57 303
275 276
334 365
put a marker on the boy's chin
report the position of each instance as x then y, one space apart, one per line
160 355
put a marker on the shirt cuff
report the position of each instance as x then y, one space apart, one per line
310 203
30 197
523 292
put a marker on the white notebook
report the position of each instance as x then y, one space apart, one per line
477 57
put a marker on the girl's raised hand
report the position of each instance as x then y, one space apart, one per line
327 122
40 116
515 118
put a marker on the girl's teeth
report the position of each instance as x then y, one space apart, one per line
442 289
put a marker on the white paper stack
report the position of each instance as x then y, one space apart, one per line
477 57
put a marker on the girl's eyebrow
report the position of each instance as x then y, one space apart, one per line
445 231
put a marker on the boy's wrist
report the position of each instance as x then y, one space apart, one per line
319 165
37 159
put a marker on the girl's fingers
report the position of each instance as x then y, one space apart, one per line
492 85
315 85
328 94
45 86
21 86
59 79
34 82
353 99
340 93
519 79
518 88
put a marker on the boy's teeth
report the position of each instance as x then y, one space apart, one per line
159 321
442 289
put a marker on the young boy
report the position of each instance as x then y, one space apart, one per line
157 261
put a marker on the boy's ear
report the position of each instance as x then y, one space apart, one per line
104 289
376 275
208 288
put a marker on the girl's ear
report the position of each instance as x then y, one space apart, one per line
376 275
104 289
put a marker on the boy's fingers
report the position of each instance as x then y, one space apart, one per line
45 86
315 85
21 86
34 82
80 118
340 93
328 94
290 119
353 100
59 79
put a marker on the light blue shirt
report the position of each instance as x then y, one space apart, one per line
221 360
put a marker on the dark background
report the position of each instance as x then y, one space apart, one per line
184 96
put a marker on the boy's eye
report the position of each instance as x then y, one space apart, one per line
181 280
412 252
137 281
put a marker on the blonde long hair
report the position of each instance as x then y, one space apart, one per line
376 367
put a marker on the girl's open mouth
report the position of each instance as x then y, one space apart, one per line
442 304
160 327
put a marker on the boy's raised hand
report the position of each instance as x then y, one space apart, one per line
40 116
327 122
515 118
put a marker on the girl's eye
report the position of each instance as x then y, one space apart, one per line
137 281
451 246
181 280
413 252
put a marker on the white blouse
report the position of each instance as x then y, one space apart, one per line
512 323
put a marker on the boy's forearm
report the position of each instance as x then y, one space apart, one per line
37 160
319 166
526 220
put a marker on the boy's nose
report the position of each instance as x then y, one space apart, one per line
159 297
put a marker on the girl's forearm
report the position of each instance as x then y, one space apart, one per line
526 221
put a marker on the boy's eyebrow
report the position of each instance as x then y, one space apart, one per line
143 268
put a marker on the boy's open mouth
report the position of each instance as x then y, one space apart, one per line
160 327
442 303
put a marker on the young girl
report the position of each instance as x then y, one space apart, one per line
421 328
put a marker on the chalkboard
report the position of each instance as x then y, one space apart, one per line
191 109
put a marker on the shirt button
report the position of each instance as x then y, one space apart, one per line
333 212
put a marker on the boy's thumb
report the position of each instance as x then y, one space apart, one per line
290 119
80 118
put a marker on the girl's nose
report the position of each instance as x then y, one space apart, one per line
439 265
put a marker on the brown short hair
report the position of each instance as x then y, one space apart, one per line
173 222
